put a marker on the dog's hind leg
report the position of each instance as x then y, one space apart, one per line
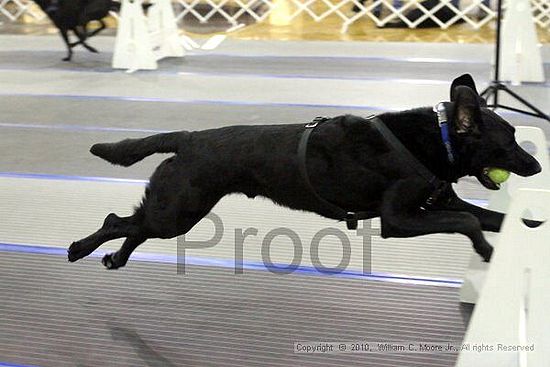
65 37
96 31
402 216
120 258
113 227
81 33
168 229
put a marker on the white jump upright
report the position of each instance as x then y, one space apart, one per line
512 310
133 46
520 53
164 30
500 201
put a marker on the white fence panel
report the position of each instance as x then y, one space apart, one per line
411 13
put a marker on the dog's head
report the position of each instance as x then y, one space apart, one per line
484 139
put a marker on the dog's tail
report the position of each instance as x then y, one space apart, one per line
129 151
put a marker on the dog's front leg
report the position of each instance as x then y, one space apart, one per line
447 199
402 216
490 220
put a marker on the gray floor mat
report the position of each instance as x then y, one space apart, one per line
59 314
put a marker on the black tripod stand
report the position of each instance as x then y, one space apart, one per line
496 85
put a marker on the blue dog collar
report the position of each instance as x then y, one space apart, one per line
442 120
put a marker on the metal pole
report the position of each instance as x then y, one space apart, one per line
497 55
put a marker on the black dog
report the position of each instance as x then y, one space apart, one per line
349 163
75 15
443 14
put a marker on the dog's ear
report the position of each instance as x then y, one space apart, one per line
466 80
467 110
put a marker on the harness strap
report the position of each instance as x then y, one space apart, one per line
405 155
351 218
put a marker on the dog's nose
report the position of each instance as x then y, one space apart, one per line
536 167
529 169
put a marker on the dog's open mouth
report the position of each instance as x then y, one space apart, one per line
486 181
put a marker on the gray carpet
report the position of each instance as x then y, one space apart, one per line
58 314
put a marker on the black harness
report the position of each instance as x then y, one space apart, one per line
352 218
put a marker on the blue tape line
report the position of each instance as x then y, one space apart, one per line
429 60
197 101
151 257
226 263
105 70
269 76
3 364
217 102
42 176
320 58
68 127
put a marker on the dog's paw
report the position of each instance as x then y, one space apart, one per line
486 253
109 262
79 249
484 249
487 256
74 252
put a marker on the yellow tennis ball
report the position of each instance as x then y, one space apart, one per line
498 175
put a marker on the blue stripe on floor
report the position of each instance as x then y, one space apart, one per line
317 58
55 177
107 69
320 58
44 176
2 364
212 102
243 75
193 101
68 127
247 265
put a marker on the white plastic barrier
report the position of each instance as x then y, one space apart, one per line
141 42
476 13
164 30
133 46
500 202
520 51
512 311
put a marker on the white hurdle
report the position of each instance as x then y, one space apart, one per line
500 201
520 52
141 42
512 311
164 30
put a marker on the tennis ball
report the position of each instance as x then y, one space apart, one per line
498 175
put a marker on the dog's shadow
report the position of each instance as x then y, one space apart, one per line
151 357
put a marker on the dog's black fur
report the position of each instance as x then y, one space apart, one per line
443 15
75 15
348 161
